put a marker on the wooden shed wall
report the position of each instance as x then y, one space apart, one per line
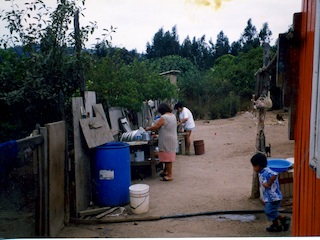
306 198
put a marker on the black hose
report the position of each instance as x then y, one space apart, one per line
155 218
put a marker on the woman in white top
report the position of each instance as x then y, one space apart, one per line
187 121
167 139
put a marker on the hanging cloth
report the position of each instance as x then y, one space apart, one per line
8 158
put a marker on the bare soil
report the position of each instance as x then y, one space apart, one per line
218 180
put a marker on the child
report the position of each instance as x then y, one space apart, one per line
271 194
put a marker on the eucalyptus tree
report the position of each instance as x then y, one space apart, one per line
265 34
163 44
198 51
249 38
222 46
235 48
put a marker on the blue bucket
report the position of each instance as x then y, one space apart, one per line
112 175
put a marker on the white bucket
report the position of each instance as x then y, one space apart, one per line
139 198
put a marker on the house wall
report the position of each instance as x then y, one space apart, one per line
306 195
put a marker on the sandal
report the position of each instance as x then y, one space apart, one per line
166 179
163 174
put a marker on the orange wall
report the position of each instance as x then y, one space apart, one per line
306 198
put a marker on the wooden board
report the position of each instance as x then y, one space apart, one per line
99 112
115 113
95 131
82 175
90 98
44 186
56 165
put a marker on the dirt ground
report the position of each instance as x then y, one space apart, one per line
219 180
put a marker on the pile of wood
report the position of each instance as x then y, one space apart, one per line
98 213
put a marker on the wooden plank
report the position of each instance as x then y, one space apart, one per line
29 141
115 113
56 161
99 112
82 175
95 131
37 195
44 171
90 98
101 215
93 211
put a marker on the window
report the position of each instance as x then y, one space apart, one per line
314 161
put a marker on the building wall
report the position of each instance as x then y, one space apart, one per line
306 195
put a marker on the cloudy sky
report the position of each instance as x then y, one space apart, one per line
138 20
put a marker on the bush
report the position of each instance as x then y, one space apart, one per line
225 108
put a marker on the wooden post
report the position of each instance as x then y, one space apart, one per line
264 82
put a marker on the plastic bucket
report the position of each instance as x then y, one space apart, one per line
112 176
198 147
139 198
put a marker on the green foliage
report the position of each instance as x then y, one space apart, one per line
249 38
188 79
38 79
222 45
225 107
198 52
163 44
127 85
265 34
236 72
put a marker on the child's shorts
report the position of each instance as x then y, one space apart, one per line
271 209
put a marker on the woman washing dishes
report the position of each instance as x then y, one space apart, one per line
166 126
186 120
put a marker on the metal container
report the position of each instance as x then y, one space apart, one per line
146 136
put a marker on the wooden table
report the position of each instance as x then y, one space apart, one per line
182 139
148 148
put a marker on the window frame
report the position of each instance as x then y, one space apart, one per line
314 149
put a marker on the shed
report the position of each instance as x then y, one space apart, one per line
172 75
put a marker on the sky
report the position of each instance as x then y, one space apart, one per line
137 21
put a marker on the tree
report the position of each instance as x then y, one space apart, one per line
222 46
249 38
163 44
265 34
124 85
198 52
46 71
235 48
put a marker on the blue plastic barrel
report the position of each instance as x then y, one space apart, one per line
112 176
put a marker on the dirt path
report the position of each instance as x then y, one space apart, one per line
219 180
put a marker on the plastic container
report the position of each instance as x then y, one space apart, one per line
139 198
279 164
291 159
198 147
139 156
112 175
